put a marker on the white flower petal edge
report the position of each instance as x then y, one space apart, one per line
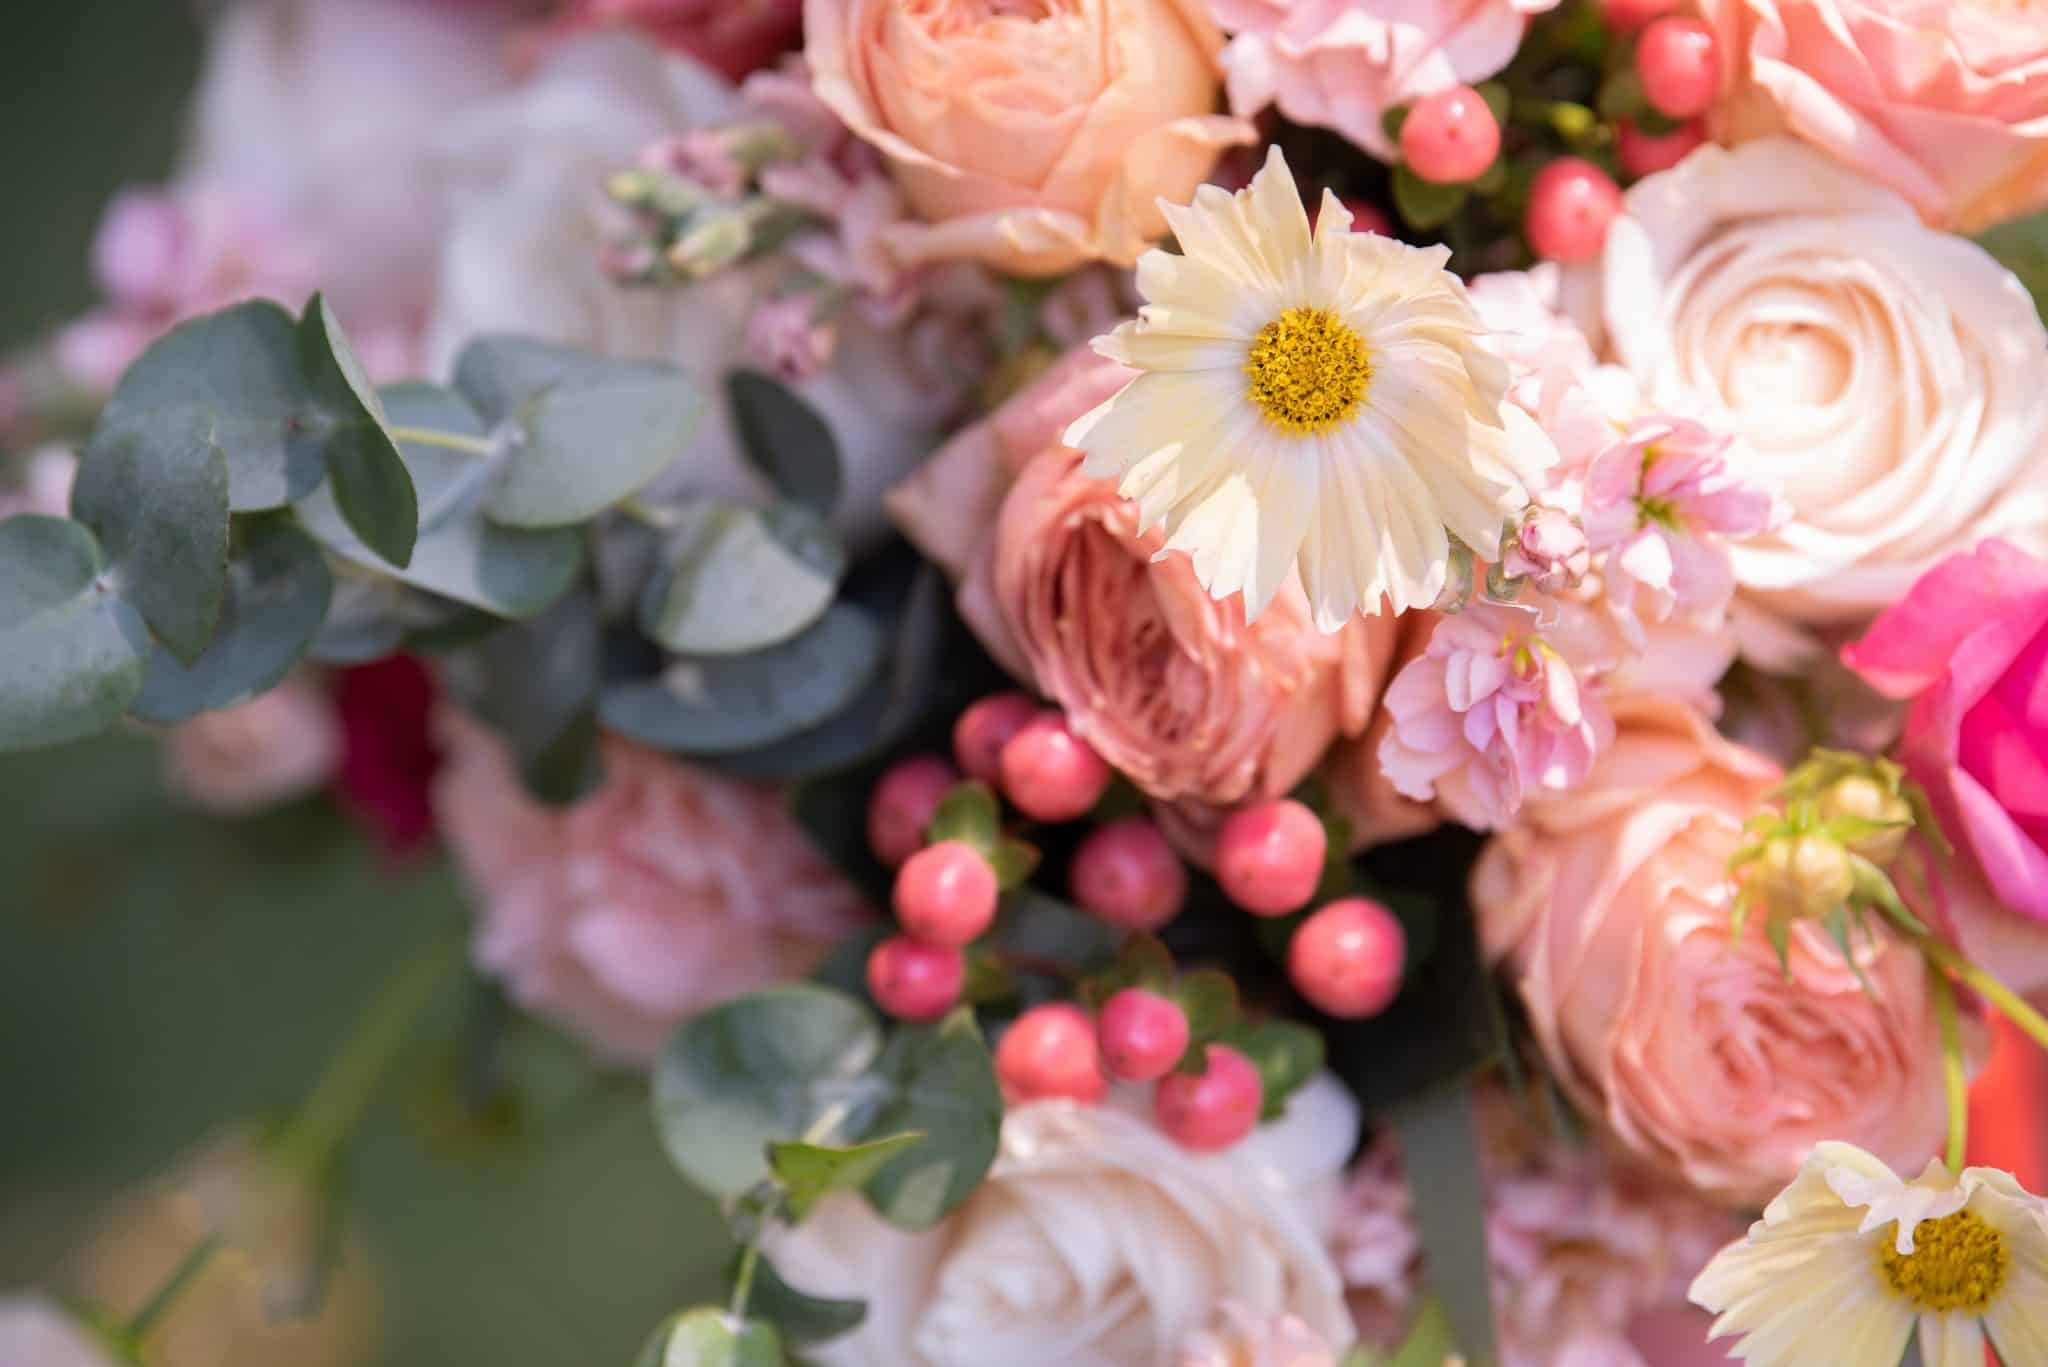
1320 400
1849 1259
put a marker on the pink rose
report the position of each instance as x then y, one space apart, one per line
1610 907
1033 138
1168 684
669 889
1343 64
1944 101
275 747
1967 645
732 36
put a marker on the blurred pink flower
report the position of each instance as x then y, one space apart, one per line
732 36
668 890
1343 64
44 485
277 746
791 336
1241 1337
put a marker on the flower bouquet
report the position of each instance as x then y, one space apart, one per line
1192 682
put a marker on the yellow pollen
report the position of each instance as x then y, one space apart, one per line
1307 370
1958 1263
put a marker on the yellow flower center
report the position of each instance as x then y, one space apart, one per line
1958 1263
1308 371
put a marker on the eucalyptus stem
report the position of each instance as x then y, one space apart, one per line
1958 1086
648 514
190 1266
447 441
330 1113
743 1280
2009 1003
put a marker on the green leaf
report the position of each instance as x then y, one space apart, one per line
1014 861
1424 205
800 1317
727 704
1873 885
739 580
71 650
760 1069
583 432
364 622
1286 1053
507 571
967 813
709 1337
809 1172
278 588
785 439
1429 1343
364 470
536 683
1497 100
1034 925
1439 1136
158 502
942 1083
1209 1000
1621 95
1393 121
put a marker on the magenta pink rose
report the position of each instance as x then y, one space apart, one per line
733 36
1968 644
1944 101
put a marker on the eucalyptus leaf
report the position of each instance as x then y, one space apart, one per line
1439 1134
364 470
583 432
810 1172
363 622
764 1068
507 571
277 595
942 1082
800 1317
536 682
709 1337
739 580
158 502
785 439
71 650
727 704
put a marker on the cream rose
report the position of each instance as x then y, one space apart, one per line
1033 138
1885 377
1095 1242
1610 907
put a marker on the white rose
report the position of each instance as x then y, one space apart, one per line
524 176
1889 379
35 1332
1095 1242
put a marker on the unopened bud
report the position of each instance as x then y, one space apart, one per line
1862 798
1804 877
1548 549
714 241
1460 577
657 192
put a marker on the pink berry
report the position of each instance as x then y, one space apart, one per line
1143 1035
1626 16
1127 874
902 806
946 893
1049 1052
1269 857
1049 773
1571 205
1680 66
1215 1108
1450 137
1347 958
914 981
985 728
1645 154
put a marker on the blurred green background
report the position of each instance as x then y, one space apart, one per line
162 973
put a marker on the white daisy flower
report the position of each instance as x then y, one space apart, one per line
1849 1258
1323 400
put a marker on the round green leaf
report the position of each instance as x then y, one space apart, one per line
278 589
724 705
71 650
369 479
762 1068
157 498
536 683
507 571
364 622
709 1337
798 1316
785 439
741 579
942 1082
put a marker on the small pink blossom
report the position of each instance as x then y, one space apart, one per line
1549 551
1241 1337
1489 711
275 747
792 337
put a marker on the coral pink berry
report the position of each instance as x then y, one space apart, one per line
1049 773
902 806
1572 203
1050 1052
914 981
1127 874
1143 1035
1213 1109
1645 154
1347 958
1680 66
1626 16
946 893
1450 137
1269 857
985 728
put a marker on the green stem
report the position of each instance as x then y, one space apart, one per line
743 1282
1958 1085
190 1266
648 514
447 441
330 1113
2009 1003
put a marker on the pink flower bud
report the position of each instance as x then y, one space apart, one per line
788 336
1549 550
137 250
